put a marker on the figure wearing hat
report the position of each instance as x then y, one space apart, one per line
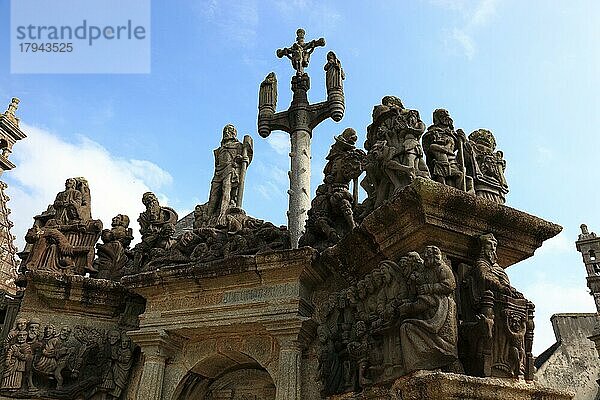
344 164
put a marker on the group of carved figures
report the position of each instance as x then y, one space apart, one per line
403 316
398 149
62 238
73 360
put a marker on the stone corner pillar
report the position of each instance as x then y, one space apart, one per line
157 347
292 338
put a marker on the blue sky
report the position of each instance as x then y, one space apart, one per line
529 71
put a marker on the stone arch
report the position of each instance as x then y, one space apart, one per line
226 376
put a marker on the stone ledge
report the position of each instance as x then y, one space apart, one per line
425 385
429 213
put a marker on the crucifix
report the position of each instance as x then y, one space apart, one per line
299 120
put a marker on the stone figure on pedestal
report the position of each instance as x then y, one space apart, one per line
113 255
394 152
486 166
299 52
334 73
62 238
157 226
444 150
332 212
231 162
299 121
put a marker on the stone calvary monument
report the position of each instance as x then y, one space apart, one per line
401 296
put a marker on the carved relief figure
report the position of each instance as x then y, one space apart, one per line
401 316
428 335
497 331
55 356
15 362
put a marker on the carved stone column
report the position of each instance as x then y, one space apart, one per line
157 347
299 193
290 363
292 337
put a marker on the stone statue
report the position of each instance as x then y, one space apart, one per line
401 317
486 166
157 226
332 211
113 255
497 329
62 238
68 204
444 148
267 96
231 162
395 156
334 74
298 121
299 52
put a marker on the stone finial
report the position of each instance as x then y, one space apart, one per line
10 112
585 233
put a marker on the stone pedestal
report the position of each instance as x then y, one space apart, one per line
424 385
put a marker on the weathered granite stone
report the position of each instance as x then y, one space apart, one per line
331 215
399 318
394 153
425 385
572 362
429 213
74 344
157 226
62 238
486 166
300 120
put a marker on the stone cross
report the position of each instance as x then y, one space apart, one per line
298 121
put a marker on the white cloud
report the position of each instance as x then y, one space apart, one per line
236 21
44 161
465 41
280 142
476 15
560 243
274 182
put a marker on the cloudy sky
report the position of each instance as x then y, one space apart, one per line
526 70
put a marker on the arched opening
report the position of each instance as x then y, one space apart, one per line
592 254
234 376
